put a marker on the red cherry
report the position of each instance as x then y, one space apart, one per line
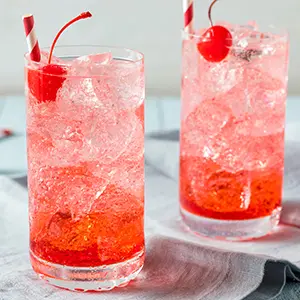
215 43
44 83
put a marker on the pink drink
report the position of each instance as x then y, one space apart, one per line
86 169
232 135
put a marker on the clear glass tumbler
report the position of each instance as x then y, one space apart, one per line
232 135
85 141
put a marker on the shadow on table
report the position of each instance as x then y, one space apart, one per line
177 269
22 181
280 236
291 204
170 135
291 213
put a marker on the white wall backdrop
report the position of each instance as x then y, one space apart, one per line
151 26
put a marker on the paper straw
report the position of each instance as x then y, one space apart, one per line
188 12
32 42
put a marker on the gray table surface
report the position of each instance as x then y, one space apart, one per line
162 113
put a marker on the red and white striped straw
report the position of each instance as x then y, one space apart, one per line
188 12
32 42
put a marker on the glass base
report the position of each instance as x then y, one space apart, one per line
232 230
83 279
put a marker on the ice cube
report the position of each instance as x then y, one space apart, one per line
261 125
122 87
273 60
100 58
234 151
99 82
218 78
78 233
234 190
71 189
130 164
40 145
89 65
191 96
129 176
245 35
204 123
254 77
257 94
236 99
135 146
109 137
190 57
87 130
76 99
85 194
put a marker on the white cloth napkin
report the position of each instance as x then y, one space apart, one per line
284 244
178 264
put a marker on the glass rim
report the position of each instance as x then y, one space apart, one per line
277 32
139 54
136 62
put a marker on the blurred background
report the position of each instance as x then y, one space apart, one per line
152 27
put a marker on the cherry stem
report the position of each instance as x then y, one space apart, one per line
209 12
83 15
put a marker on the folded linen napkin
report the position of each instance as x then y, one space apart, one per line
280 251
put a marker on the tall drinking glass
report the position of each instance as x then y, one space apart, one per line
85 141
232 134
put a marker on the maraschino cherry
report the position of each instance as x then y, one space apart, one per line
215 42
44 82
